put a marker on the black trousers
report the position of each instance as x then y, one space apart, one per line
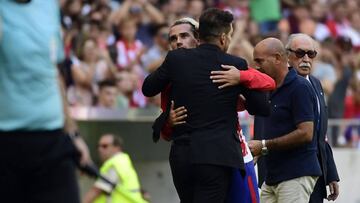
37 167
198 183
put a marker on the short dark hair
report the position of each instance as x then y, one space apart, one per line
106 83
117 141
214 22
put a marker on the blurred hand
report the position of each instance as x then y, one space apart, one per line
83 150
334 191
141 53
240 25
177 116
255 147
228 77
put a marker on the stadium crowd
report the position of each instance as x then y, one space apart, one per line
111 45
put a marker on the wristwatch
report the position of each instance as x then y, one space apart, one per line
264 149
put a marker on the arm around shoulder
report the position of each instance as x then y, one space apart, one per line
254 79
257 102
157 80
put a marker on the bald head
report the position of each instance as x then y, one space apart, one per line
270 57
301 50
271 46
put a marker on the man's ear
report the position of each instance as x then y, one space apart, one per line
197 42
278 58
222 38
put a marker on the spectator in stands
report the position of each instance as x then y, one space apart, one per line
352 111
195 8
154 57
319 13
144 13
324 70
174 9
129 53
129 49
93 67
117 168
107 95
239 8
127 86
344 59
71 13
266 13
240 45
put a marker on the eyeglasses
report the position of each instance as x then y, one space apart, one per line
104 146
299 53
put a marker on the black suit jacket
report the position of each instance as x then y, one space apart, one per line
212 118
325 154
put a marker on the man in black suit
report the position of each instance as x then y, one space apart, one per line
206 149
301 51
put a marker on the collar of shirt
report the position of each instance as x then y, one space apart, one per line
290 76
209 46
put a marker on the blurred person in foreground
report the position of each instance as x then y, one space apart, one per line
117 168
92 67
289 145
202 150
301 50
184 34
344 58
37 157
156 54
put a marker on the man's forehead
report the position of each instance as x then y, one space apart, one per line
258 58
181 28
105 138
257 52
302 43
